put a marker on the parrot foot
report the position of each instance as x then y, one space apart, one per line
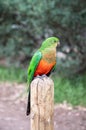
41 77
44 75
38 76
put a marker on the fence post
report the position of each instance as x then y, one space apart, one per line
42 104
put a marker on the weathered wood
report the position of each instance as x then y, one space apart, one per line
42 104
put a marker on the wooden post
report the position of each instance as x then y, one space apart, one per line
42 104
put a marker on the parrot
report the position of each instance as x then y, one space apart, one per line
42 63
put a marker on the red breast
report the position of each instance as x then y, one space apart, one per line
44 67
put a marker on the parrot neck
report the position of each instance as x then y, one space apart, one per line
49 54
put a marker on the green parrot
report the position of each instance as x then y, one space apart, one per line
42 62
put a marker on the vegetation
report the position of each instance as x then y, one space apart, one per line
24 24
12 74
70 90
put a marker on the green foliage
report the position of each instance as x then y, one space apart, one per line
70 90
19 28
13 74
67 19
24 24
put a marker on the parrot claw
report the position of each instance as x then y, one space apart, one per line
41 77
38 76
44 75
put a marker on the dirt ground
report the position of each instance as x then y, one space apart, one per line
13 110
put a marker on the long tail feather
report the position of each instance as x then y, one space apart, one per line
28 105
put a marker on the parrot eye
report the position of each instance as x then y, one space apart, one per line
55 41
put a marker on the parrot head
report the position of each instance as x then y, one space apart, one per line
51 42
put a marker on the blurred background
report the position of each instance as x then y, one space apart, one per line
23 27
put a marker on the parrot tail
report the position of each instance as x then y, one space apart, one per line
28 105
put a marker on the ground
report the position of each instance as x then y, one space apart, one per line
13 110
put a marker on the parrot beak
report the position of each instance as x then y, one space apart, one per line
58 44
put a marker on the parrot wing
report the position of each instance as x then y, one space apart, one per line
53 69
31 70
33 65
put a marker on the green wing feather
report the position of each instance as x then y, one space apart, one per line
53 69
33 65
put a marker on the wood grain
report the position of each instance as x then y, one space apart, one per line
42 104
